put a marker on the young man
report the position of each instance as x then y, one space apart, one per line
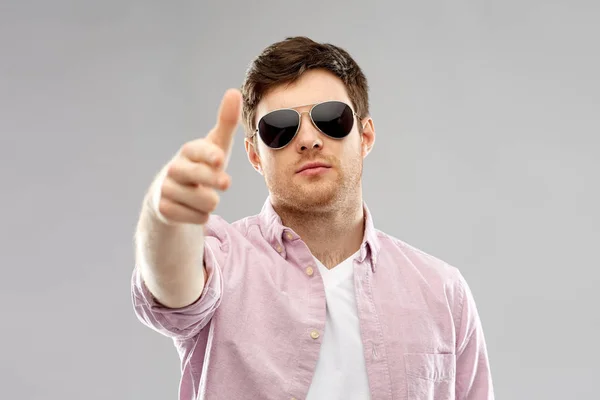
307 299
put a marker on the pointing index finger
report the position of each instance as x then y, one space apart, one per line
227 120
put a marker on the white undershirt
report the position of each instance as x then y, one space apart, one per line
341 372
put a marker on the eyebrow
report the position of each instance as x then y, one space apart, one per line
309 105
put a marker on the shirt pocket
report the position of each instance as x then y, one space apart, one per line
430 376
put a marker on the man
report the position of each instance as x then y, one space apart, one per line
307 299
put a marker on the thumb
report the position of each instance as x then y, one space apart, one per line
228 117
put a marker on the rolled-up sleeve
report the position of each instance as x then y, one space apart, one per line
185 322
473 374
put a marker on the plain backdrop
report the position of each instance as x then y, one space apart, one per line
487 119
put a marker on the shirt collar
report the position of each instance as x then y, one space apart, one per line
277 234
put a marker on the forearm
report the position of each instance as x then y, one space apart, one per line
170 259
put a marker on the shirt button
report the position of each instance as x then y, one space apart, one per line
288 236
314 334
279 249
309 271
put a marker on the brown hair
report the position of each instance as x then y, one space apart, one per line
285 61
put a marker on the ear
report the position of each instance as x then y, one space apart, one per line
367 136
253 156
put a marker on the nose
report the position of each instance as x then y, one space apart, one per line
308 136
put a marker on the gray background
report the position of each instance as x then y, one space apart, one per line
487 115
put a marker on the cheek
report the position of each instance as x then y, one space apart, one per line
273 166
353 149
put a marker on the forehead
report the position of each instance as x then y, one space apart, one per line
312 87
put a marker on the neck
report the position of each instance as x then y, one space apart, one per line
332 234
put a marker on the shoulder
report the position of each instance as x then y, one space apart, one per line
422 272
218 228
414 262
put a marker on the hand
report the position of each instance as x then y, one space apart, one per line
186 189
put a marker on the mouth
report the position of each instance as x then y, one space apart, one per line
313 168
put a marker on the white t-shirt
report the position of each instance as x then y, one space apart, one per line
341 372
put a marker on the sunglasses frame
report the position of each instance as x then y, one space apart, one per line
300 113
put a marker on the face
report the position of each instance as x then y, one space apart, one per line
323 188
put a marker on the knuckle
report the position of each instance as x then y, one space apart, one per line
212 201
225 180
166 191
203 218
168 183
172 168
165 208
176 167
192 149
189 147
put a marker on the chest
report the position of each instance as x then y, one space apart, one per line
280 301
272 324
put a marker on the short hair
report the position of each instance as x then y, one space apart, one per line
285 61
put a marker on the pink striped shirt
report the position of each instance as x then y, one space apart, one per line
256 330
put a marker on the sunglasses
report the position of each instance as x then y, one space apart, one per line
278 128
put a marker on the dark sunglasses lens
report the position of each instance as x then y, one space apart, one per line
333 118
278 128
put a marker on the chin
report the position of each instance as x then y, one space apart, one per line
316 194
308 193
